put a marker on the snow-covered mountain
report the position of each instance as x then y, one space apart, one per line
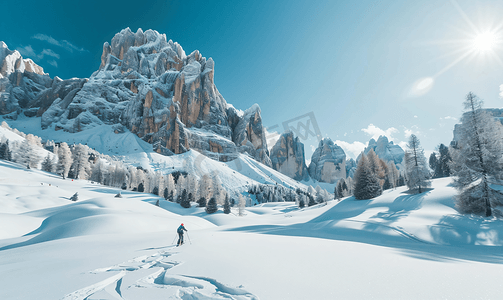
328 163
145 84
386 150
288 157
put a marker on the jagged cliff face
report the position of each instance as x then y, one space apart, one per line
149 85
288 157
386 150
21 81
328 163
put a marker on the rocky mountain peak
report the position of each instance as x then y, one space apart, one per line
386 150
147 84
287 157
328 163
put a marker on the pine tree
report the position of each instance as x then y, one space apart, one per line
5 152
201 202
375 166
444 161
141 187
227 205
184 200
47 164
302 204
477 159
75 197
366 182
311 200
166 193
434 165
212 206
418 176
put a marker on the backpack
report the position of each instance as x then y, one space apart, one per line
179 230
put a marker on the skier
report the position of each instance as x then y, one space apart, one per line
180 230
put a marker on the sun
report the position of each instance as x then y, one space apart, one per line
485 42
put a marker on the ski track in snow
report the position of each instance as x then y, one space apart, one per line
185 287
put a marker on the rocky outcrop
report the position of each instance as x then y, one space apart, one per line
386 150
21 80
148 84
350 167
328 163
24 87
287 157
248 133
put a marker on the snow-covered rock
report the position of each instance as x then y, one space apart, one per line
167 98
21 81
350 167
328 163
287 157
386 150
248 133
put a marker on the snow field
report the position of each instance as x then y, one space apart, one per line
396 246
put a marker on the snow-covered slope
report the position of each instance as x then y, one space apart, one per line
396 246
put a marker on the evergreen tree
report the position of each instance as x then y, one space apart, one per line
155 191
75 197
444 161
5 152
201 202
212 206
227 205
166 193
47 164
374 163
184 200
366 182
141 187
157 203
301 204
171 197
311 200
418 176
190 197
477 159
433 162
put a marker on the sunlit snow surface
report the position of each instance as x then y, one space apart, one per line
397 246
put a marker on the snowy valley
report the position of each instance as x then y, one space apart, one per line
97 173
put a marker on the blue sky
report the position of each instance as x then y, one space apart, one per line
350 64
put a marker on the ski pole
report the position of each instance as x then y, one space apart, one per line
173 240
189 238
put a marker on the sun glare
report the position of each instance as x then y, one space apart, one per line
485 42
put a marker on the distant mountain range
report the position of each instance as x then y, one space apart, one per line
147 85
